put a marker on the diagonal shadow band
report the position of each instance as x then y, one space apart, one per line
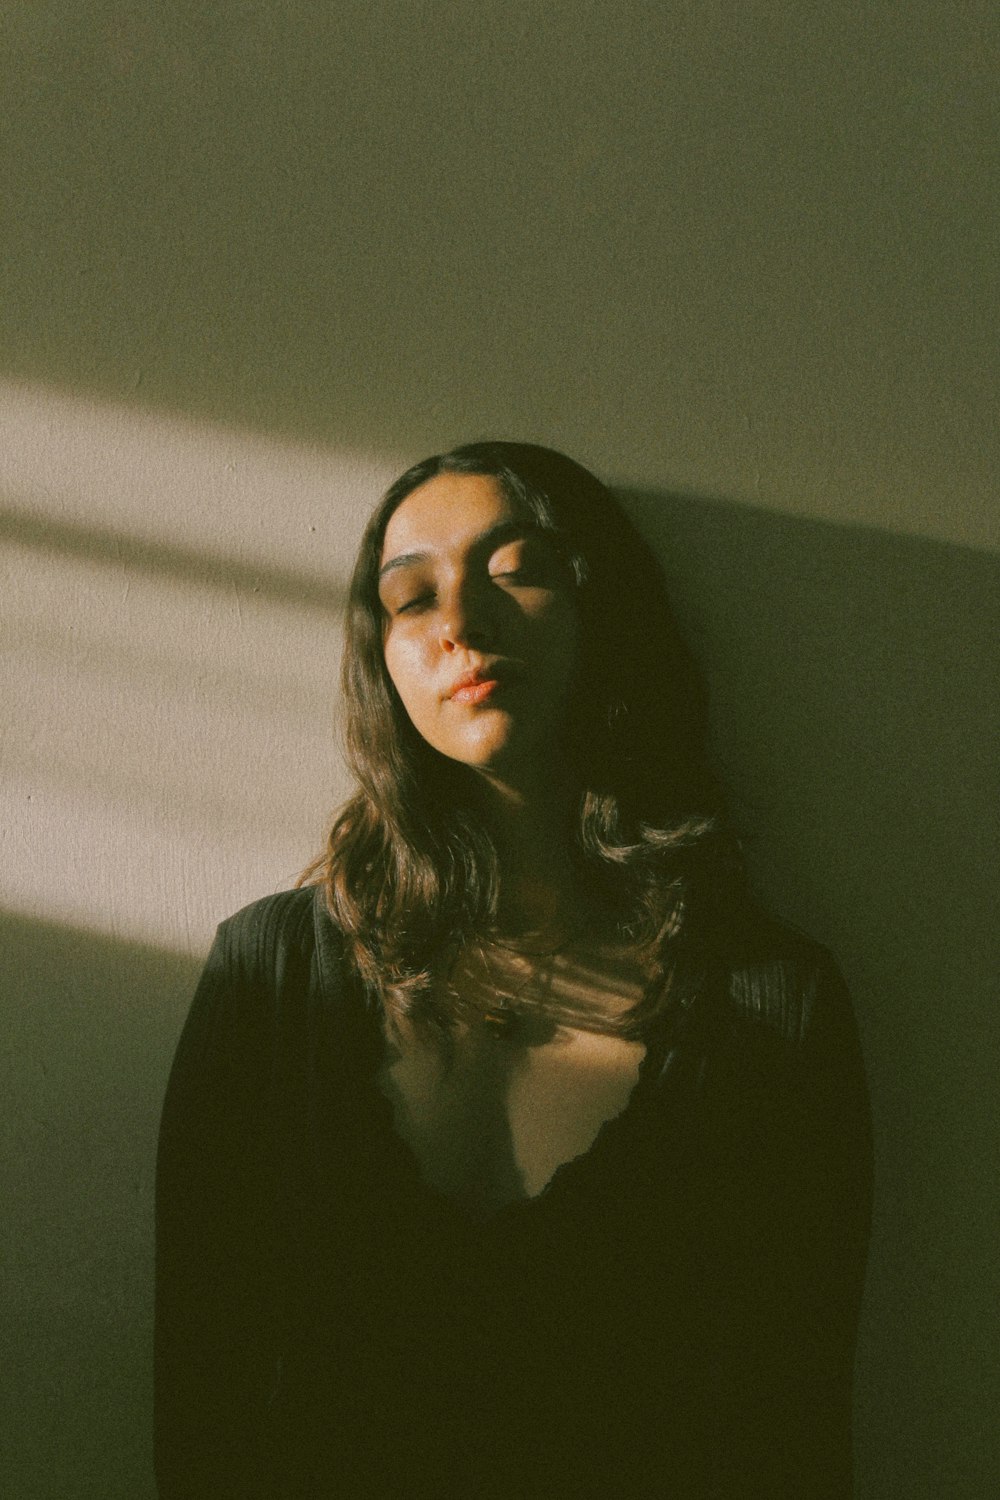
102 545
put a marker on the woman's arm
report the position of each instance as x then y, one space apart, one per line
214 1352
797 1221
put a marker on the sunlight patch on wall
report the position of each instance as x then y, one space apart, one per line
171 639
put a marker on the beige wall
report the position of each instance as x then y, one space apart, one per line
739 258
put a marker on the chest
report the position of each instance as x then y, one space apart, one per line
493 1122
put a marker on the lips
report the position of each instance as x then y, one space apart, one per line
475 687
475 692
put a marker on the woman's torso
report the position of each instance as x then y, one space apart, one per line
667 1304
509 1268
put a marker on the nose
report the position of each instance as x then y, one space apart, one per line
465 621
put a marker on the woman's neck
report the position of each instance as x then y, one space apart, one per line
532 828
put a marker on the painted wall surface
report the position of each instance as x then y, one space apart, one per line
738 258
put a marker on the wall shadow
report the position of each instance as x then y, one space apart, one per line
187 565
90 1024
853 685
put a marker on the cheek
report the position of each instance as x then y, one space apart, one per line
409 672
559 645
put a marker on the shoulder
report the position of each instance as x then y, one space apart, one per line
275 964
262 938
784 982
286 954
281 914
788 1054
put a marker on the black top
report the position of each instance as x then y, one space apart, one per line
674 1316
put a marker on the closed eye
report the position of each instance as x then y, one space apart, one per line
530 576
416 603
529 563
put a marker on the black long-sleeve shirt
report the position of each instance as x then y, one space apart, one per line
674 1316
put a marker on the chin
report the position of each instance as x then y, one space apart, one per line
493 761
490 759
507 761
498 750
489 748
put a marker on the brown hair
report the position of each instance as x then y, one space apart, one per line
410 873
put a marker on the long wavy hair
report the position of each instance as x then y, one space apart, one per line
410 872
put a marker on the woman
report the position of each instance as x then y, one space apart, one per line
516 1154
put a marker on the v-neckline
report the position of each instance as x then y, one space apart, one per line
577 1166
351 1003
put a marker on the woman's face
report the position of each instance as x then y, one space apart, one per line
481 627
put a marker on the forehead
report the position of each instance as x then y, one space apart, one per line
447 514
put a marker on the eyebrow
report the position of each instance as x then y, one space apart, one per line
495 536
